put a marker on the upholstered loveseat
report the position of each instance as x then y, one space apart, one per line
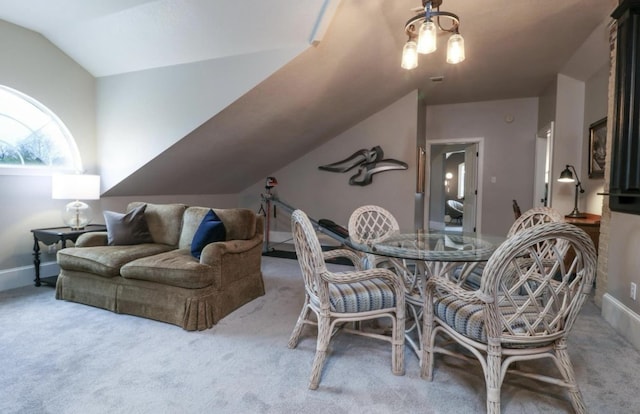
162 280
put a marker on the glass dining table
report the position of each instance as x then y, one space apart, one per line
417 255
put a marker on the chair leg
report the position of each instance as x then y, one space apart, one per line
426 346
427 339
566 369
397 353
492 378
297 330
324 336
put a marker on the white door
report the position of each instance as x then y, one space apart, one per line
436 192
470 188
543 161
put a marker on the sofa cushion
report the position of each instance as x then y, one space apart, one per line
175 268
239 223
127 229
164 221
211 230
105 260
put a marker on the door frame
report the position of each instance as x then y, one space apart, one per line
543 165
479 171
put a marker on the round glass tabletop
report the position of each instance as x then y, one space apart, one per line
434 245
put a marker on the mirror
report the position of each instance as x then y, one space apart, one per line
543 179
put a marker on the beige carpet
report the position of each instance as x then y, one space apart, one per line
61 357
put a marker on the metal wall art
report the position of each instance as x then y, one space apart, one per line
368 162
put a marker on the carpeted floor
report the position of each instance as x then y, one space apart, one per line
61 357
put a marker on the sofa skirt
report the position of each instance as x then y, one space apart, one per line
191 309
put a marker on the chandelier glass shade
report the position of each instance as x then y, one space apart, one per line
422 30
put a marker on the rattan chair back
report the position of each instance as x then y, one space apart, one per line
370 224
535 295
533 217
529 298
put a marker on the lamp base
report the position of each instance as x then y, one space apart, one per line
77 215
576 214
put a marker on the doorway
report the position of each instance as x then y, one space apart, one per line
543 162
454 196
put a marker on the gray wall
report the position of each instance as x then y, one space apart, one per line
323 194
148 111
574 105
506 127
32 65
547 105
328 195
568 140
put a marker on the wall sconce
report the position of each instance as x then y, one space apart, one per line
76 214
566 176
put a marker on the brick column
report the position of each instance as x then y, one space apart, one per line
602 275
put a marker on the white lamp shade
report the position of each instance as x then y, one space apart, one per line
75 187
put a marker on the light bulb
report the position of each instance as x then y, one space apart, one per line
427 37
455 49
410 55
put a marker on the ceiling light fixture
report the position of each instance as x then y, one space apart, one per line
422 30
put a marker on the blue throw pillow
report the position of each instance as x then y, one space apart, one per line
211 230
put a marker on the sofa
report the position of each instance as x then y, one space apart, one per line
161 279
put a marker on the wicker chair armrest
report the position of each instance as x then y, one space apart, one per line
359 276
354 257
444 285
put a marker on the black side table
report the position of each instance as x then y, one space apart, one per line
53 235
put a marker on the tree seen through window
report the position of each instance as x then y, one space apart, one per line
31 136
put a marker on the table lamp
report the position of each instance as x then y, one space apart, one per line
566 176
76 214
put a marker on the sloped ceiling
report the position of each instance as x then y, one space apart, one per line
514 49
110 37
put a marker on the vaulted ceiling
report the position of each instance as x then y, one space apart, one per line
514 49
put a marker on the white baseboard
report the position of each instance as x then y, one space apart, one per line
24 276
625 321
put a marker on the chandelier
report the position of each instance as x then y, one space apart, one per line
422 30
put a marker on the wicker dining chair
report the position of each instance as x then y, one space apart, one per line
516 209
527 303
370 224
532 217
336 298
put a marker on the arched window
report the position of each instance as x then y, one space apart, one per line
32 138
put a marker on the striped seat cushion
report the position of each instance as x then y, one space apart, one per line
468 319
373 294
473 279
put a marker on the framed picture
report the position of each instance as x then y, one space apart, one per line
597 148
